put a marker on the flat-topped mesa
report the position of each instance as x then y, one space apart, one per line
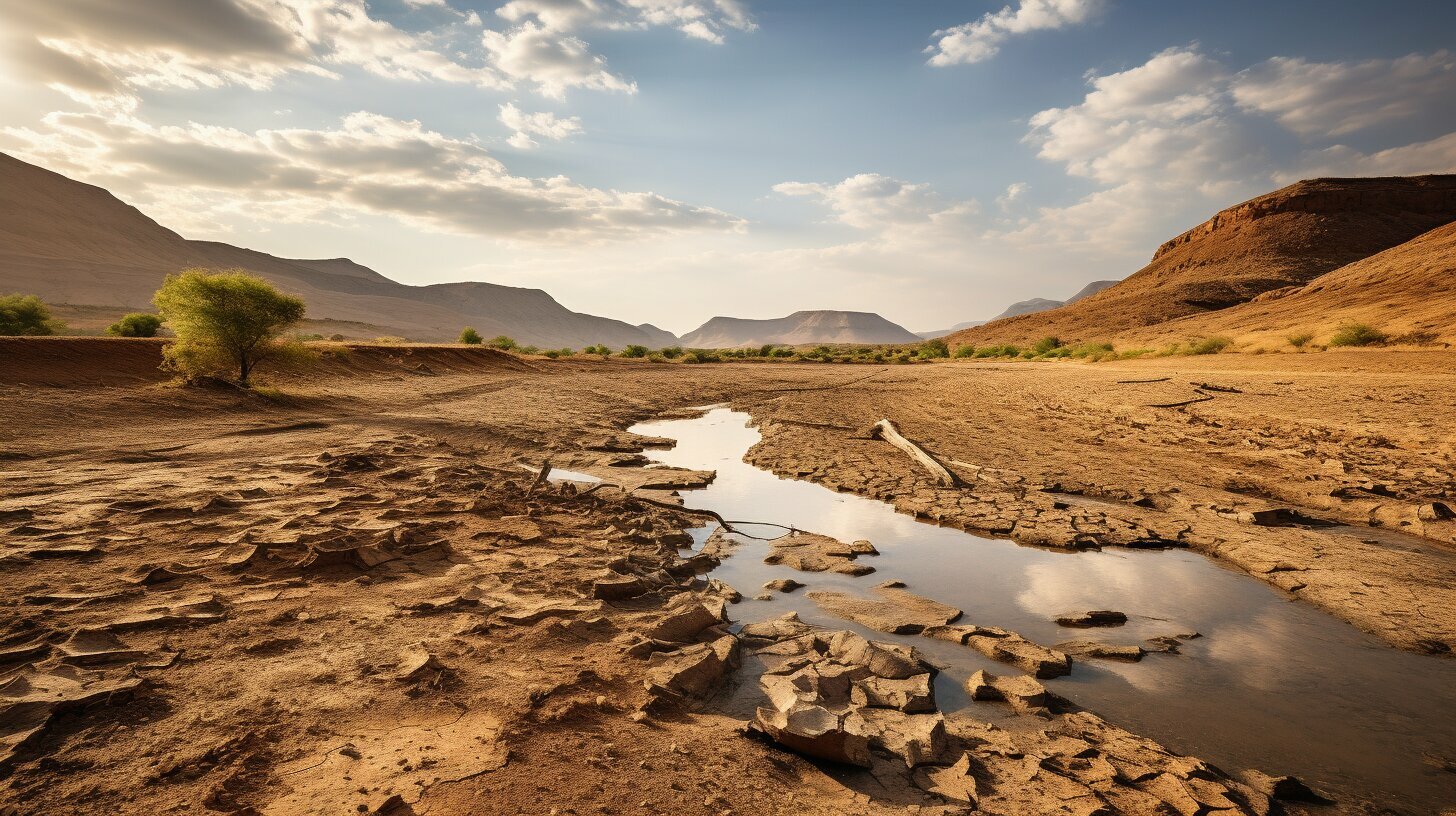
799 328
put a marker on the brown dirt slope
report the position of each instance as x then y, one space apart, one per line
1285 238
73 243
1407 288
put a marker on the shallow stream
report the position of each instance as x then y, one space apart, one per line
1272 684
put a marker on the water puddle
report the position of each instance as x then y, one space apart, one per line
1272 684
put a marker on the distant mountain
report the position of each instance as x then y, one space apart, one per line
1282 239
1031 306
798 328
79 246
1090 289
931 335
657 338
1024 307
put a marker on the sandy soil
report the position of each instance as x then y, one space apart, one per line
356 598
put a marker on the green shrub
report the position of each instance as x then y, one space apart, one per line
470 337
1358 334
26 316
566 352
502 342
783 351
1004 350
1300 340
700 356
967 350
672 352
529 350
634 351
141 324
552 353
933 349
224 320
1046 344
1210 345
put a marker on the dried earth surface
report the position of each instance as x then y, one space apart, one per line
356 595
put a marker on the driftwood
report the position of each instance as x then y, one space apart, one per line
1226 389
885 429
1130 382
1203 398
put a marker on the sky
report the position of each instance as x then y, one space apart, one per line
667 161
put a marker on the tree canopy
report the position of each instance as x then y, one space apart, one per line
227 320
26 316
137 324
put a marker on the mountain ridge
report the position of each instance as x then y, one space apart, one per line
77 244
1285 238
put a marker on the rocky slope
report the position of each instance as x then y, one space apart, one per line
1285 238
823 326
73 243
1406 290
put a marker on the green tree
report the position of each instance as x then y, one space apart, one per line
136 324
634 350
224 320
502 342
26 316
470 337
933 349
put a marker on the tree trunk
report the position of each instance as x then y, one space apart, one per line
243 368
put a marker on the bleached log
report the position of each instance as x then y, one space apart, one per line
886 430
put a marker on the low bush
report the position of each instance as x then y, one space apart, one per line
672 352
696 356
599 348
1358 334
26 316
1210 345
1046 344
141 324
965 351
470 337
502 342
633 351
933 349
552 353
1300 339
529 350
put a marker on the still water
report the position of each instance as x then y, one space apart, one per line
1272 684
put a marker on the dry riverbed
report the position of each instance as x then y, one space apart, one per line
359 597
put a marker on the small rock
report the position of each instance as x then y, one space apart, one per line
1095 617
782 585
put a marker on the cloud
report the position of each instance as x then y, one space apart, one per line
546 125
105 54
705 20
1338 98
870 201
368 164
551 61
981 39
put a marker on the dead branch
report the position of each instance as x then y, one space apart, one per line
885 429
1130 382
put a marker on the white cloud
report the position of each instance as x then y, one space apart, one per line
544 124
553 62
369 164
701 19
1338 98
981 39
871 201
